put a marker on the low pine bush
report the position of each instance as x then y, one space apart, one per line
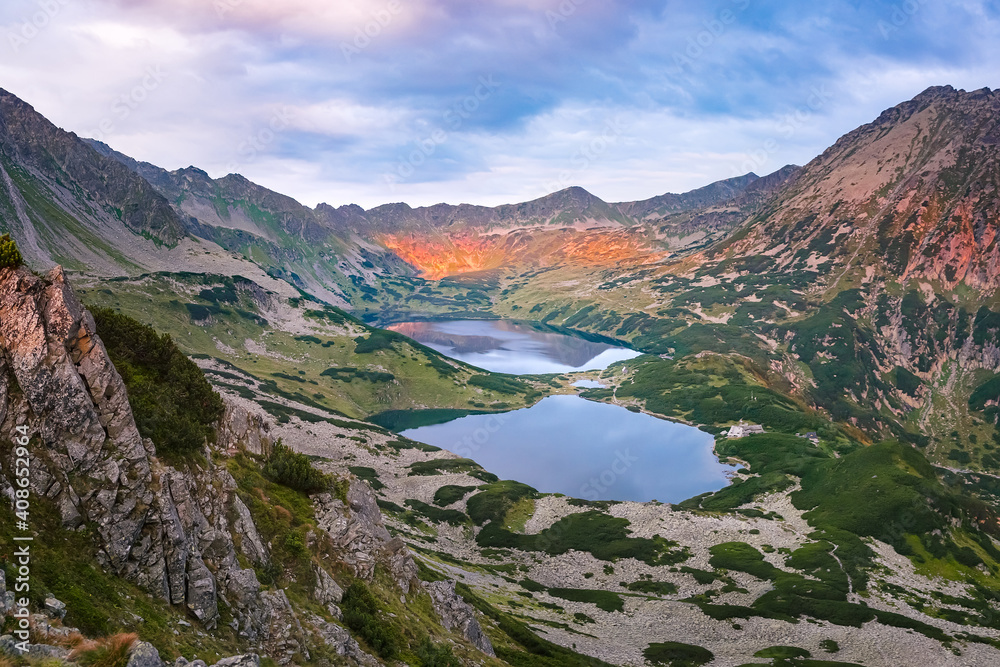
361 614
294 470
173 403
10 256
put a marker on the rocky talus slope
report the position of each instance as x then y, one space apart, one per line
180 533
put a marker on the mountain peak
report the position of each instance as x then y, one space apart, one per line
909 196
84 174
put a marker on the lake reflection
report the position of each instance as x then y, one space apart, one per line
585 449
505 347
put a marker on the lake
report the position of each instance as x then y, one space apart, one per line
507 347
586 449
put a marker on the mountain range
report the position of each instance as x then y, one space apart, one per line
855 298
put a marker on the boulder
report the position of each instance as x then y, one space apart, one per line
144 654
8 646
327 590
54 608
246 660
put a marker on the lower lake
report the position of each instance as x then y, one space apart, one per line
585 449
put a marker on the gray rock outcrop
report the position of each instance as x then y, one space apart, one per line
457 614
164 529
241 428
360 536
246 660
342 643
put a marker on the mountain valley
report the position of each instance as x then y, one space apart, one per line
216 379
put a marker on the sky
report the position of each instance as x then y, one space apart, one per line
485 102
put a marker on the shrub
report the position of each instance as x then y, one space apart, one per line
361 614
654 587
173 403
531 585
436 514
703 577
676 654
605 537
10 256
451 493
499 384
494 503
605 600
376 340
907 382
294 470
868 491
436 655
782 652
441 466
369 475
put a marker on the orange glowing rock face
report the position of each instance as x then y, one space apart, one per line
442 255
437 258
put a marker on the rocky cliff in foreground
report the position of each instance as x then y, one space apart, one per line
182 533
165 530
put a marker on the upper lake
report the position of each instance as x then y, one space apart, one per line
506 347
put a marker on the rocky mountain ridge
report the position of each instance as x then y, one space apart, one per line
39 159
440 240
912 195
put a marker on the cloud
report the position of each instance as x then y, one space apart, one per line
382 100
